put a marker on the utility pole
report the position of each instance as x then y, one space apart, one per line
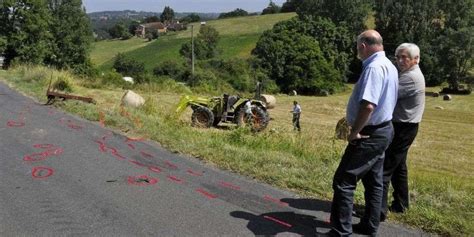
192 50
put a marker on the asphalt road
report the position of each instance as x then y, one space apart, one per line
61 175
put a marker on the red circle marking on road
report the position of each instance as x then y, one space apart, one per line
54 152
38 172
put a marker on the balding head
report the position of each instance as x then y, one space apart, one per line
368 43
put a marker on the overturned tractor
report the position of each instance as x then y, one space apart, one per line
209 112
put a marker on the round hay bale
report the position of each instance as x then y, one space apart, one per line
435 94
132 99
342 129
269 100
293 93
447 97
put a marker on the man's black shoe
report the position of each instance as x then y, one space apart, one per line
362 229
331 233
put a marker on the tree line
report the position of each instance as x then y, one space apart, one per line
48 32
315 51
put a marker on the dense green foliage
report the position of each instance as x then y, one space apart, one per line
53 32
443 31
129 67
272 8
120 31
72 35
235 13
167 15
22 25
205 44
193 17
291 54
290 5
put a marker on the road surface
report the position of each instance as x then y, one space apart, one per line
61 175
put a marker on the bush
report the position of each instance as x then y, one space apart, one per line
114 79
128 67
63 83
172 69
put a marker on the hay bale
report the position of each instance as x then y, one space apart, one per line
447 97
269 100
132 99
293 93
342 129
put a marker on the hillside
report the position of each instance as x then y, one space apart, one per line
238 38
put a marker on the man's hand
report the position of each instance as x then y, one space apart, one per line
355 136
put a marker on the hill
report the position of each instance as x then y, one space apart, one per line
238 38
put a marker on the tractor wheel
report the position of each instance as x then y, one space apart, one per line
202 117
257 122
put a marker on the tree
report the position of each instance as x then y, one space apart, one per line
193 17
120 31
272 8
167 15
290 5
292 56
235 13
128 67
72 35
24 30
442 30
353 14
205 44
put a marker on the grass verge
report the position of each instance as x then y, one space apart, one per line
441 160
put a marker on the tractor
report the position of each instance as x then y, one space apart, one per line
209 112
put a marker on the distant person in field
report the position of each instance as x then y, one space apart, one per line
248 111
369 114
406 117
296 115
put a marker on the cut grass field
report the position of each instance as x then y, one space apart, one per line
238 36
441 160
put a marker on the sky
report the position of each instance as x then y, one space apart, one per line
203 6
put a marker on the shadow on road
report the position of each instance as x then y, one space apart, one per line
273 223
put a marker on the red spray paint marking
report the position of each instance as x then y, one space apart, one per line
54 152
194 173
171 165
229 185
271 199
206 194
116 154
35 157
142 180
175 179
154 169
131 146
102 146
43 146
36 172
278 221
146 155
74 126
137 163
15 124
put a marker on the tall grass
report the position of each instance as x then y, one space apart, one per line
440 160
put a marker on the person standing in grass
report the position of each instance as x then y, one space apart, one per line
369 113
406 117
296 116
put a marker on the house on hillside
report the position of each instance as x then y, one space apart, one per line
152 27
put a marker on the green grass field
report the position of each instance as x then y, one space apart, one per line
441 160
238 37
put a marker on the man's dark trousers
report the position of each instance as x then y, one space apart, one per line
395 167
363 159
